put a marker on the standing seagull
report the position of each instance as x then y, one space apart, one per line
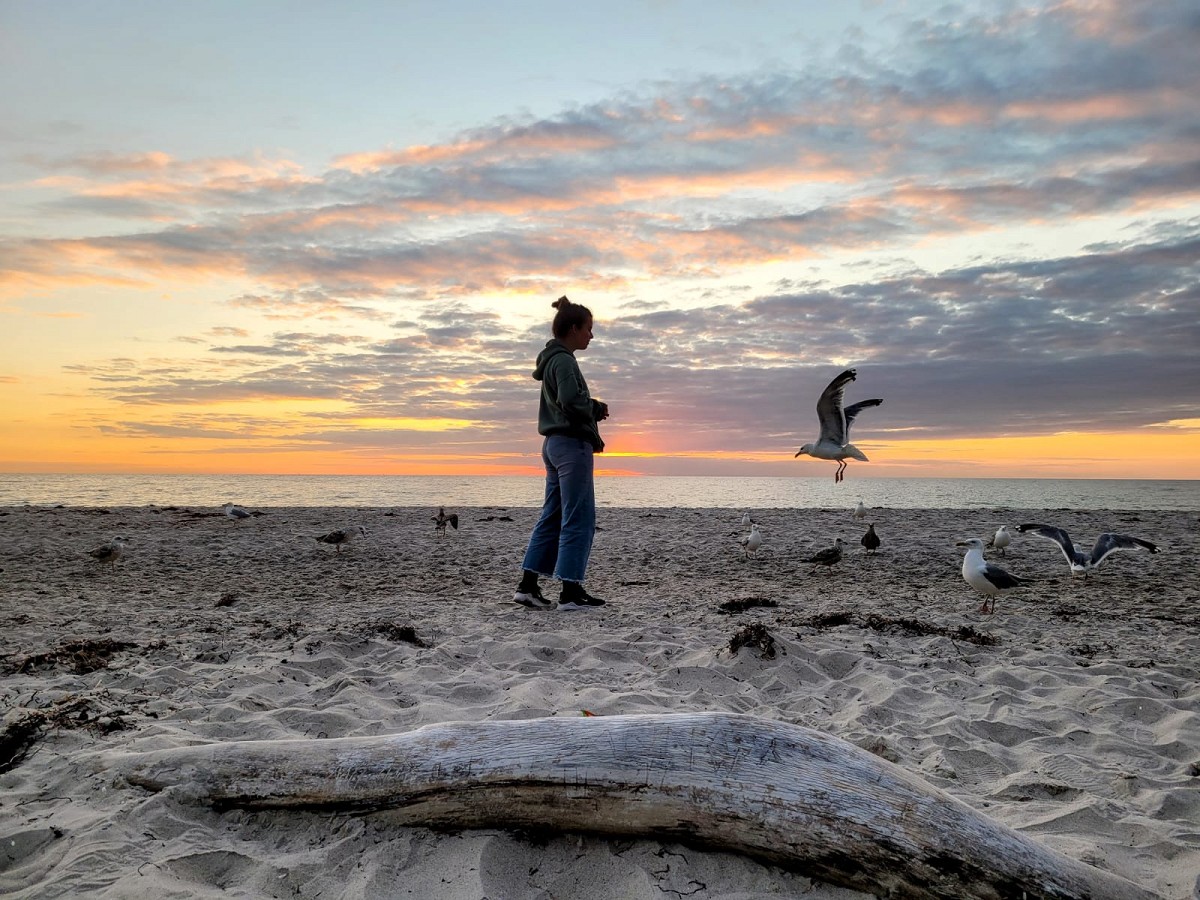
980 574
834 442
441 520
1001 539
829 557
234 511
747 519
1083 563
860 510
342 536
751 542
110 552
870 540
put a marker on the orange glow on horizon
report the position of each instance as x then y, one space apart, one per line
1156 454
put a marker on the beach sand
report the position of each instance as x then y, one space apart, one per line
1079 726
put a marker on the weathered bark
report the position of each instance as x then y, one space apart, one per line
782 793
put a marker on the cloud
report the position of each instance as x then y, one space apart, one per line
668 203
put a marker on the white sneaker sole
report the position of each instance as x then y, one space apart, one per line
531 602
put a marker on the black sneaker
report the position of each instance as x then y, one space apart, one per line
531 597
578 599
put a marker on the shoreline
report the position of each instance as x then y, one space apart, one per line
1079 726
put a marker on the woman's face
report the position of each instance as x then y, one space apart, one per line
578 338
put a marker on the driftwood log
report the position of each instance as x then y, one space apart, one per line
782 793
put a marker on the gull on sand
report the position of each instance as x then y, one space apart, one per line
860 510
342 536
110 552
870 540
234 511
441 520
989 580
747 519
829 557
1001 539
834 441
1083 563
751 542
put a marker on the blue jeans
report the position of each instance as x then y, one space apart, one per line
562 539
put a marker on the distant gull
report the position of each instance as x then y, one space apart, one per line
747 519
441 520
235 512
751 542
829 557
1083 563
1001 539
870 540
860 510
342 536
834 442
980 574
110 552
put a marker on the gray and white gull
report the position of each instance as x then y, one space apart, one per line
834 440
989 580
1084 563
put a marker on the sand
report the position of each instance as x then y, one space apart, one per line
1079 725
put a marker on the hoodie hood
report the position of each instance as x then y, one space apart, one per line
552 349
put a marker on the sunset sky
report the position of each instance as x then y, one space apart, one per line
317 237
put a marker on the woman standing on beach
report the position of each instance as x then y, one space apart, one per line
567 415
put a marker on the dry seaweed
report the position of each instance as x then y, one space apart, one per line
81 656
394 631
755 635
901 625
729 607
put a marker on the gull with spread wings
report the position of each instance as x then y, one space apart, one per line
834 442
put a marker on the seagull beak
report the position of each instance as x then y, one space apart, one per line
798 453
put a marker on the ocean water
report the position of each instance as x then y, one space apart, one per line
640 492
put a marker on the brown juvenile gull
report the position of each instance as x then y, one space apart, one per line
870 540
110 552
441 520
342 536
1083 563
829 557
834 441
980 574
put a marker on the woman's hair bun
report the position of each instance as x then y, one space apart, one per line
561 303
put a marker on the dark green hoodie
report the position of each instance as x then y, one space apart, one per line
566 406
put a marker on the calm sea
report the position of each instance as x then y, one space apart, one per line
648 491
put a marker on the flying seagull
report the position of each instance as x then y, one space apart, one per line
834 442
1001 539
110 552
342 536
1083 563
980 574
441 520
870 540
234 511
829 557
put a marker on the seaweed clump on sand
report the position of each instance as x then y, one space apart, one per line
729 607
81 656
902 625
394 631
755 635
